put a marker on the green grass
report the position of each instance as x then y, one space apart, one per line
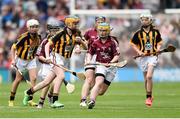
121 100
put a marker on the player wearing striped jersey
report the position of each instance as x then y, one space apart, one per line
53 26
146 41
63 43
23 57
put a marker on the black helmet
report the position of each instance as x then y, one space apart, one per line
53 23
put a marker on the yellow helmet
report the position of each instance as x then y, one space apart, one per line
71 21
105 27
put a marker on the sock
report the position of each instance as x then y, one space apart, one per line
65 82
30 91
55 97
50 95
30 97
149 95
41 100
12 96
83 99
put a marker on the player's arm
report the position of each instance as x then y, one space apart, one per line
89 54
47 51
13 54
134 43
39 53
116 53
51 42
115 59
79 40
159 41
88 59
42 58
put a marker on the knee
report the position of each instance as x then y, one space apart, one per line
89 80
33 78
101 93
148 77
18 80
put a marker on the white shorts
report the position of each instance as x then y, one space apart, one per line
25 64
108 72
93 61
44 70
143 62
60 60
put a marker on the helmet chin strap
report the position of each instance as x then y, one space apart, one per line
146 26
33 34
103 37
72 30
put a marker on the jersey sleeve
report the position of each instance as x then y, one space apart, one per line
114 49
55 38
135 39
158 37
92 49
86 35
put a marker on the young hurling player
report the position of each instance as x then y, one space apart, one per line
145 41
105 48
23 56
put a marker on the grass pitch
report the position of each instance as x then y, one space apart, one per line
122 100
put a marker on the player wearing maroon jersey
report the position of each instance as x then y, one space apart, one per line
106 50
90 36
53 26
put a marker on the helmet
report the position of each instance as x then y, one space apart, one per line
146 15
53 23
32 22
103 27
102 18
71 21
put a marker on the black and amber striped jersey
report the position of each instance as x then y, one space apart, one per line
63 43
27 45
147 42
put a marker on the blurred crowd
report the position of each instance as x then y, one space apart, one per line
14 13
154 5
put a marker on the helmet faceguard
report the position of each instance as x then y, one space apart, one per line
99 19
102 18
103 30
146 19
32 22
71 22
32 26
54 25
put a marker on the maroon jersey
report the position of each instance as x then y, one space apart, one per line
105 51
90 36
41 48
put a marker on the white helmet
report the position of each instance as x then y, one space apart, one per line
146 15
32 22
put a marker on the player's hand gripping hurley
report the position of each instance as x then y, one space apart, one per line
170 48
78 75
16 68
118 64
